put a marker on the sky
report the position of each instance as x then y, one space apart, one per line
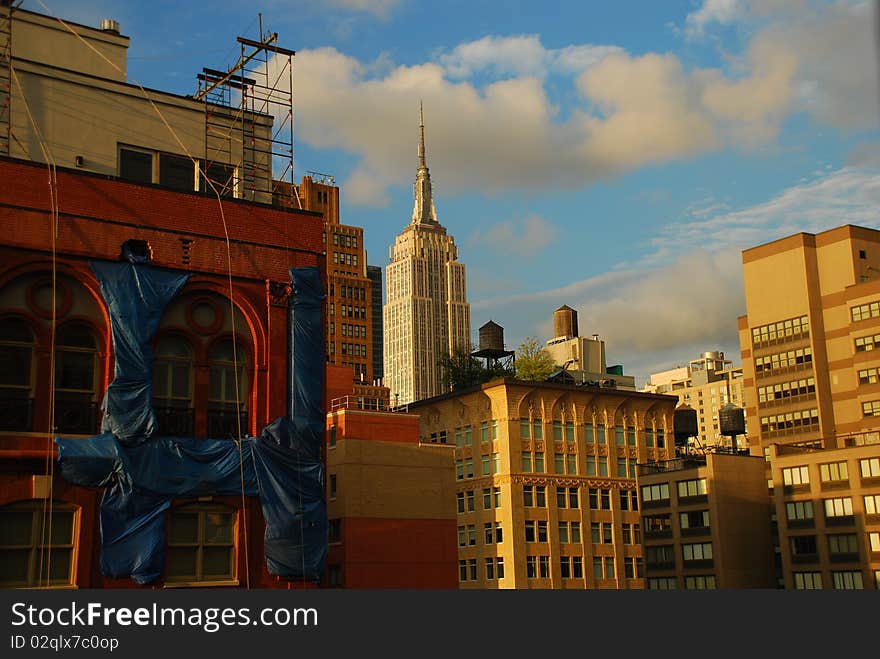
616 157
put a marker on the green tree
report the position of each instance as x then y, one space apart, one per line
461 370
533 363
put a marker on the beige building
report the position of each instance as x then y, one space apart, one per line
706 521
808 338
582 358
426 314
76 93
546 480
705 384
827 504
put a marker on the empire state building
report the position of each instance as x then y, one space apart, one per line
426 314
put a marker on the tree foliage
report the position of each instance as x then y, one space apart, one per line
461 370
533 363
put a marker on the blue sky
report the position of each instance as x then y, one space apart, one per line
612 156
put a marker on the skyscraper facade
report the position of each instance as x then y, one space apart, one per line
426 313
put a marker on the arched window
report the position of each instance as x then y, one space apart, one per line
76 366
173 387
227 390
16 375
201 544
36 548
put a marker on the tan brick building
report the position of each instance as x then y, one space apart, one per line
546 480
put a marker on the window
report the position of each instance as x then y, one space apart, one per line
76 363
332 486
459 500
227 390
796 475
462 570
621 468
589 435
571 463
843 544
462 536
803 548
334 530
784 330
607 534
605 499
618 435
563 533
865 311
700 582
799 510
655 493
135 166
469 468
173 369
839 507
871 408
662 583
472 568
658 525
577 567
872 504
201 544
544 566
600 434
486 465
539 462
470 500
532 567
494 568
850 580
591 465
808 580
459 470
559 463
867 343
176 172
874 542
609 567
565 567
870 467
29 555
17 343
698 519
492 533
527 461
700 551
868 376
573 498
692 488
835 471
595 533
603 465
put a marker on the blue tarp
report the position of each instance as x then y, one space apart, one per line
143 472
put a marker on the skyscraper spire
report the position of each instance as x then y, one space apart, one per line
423 208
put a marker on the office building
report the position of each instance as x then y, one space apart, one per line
426 314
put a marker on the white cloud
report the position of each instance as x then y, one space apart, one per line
521 55
379 8
847 196
721 12
529 235
501 131
685 297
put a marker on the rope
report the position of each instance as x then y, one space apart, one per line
49 467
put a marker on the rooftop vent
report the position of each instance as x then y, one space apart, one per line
110 25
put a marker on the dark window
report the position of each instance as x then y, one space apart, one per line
16 375
76 359
29 555
221 175
200 544
136 166
227 394
176 172
172 387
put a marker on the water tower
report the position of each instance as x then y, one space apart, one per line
492 347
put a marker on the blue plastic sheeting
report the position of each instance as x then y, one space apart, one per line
136 296
143 472
142 481
307 361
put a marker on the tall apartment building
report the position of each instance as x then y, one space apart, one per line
706 384
827 504
426 314
546 480
812 322
350 292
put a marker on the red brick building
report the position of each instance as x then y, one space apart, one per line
194 369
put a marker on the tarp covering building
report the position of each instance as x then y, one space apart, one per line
142 471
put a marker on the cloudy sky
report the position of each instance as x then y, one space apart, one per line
615 157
